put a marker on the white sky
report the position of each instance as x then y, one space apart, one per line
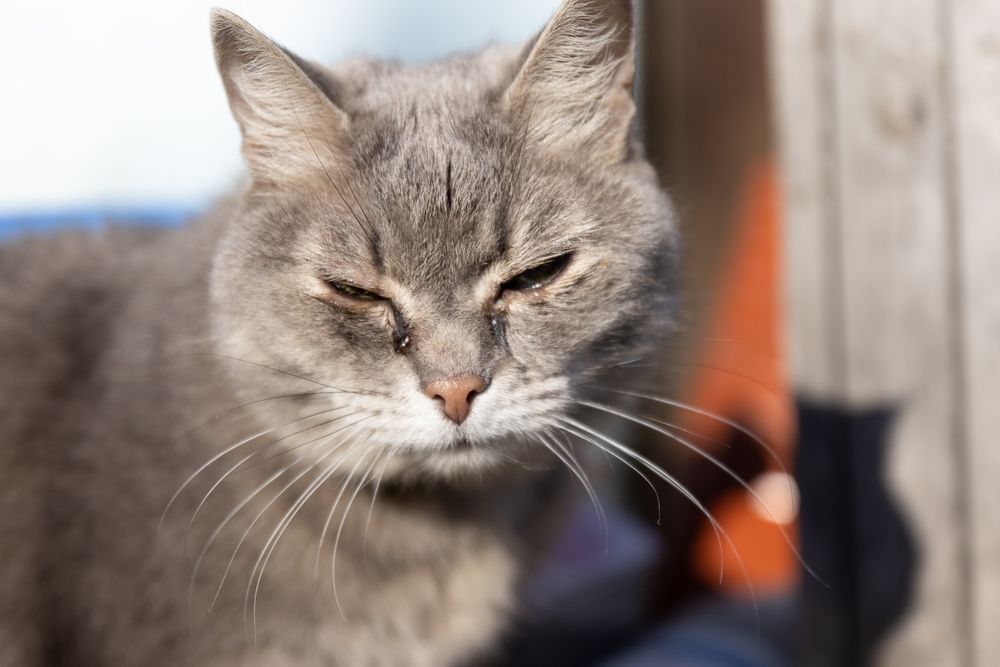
117 102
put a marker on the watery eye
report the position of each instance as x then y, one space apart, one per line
354 292
538 276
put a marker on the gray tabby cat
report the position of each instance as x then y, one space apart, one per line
425 268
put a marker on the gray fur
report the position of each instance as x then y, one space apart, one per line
429 185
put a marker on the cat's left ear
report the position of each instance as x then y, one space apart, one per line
574 90
290 124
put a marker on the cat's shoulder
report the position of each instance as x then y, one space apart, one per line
56 292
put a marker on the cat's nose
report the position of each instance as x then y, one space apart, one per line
455 394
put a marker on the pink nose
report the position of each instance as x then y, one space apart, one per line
456 394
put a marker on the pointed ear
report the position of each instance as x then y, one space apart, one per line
291 127
574 89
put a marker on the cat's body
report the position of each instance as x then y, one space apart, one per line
134 357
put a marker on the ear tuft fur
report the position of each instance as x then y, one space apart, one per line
291 127
575 87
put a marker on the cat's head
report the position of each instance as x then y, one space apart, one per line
448 249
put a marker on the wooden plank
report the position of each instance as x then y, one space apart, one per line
975 78
900 338
896 272
800 65
864 140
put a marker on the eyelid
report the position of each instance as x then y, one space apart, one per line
556 264
351 291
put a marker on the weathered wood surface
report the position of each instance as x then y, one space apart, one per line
889 123
974 76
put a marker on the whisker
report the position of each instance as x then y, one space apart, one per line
224 452
720 369
326 171
326 524
371 507
363 392
225 521
652 467
749 347
236 468
340 529
691 432
275 537
568 428
709 415
263 511
224 413
286 211
568 460
308 443
715 461
720 532
513 460
194 515
350 187
628 362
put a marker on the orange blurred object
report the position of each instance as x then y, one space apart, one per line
768 564
740 375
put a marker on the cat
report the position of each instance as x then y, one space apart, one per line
397 313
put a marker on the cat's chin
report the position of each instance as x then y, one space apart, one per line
462 462
461 459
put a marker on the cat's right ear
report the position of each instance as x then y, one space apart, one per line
573 92
291 127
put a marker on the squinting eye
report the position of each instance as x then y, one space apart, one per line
356 293
538 276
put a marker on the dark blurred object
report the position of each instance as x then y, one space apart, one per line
853 536
586 607
589 598
715 632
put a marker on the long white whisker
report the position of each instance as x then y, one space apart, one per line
312 441
708 457
275 537
194 515
243 406
340 529
229 449
225 521
610 453
326 524
263 511
711 415
324 437
566 448
371 507
265 553
280 371
568 460
720 532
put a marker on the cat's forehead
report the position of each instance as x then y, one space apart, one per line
438 172
442 197
436 166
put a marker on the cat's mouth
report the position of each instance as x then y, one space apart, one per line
461 444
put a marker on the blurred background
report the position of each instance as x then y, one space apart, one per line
836 164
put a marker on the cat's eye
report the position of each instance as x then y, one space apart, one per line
537 276
354 292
